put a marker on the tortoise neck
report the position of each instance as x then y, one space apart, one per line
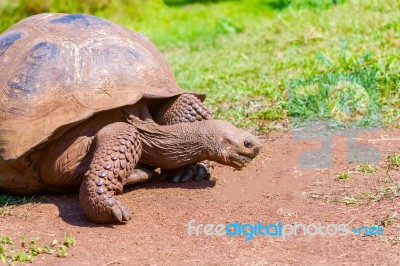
173 146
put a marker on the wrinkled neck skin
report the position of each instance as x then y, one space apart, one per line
173 146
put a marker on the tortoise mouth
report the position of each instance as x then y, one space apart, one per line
241 160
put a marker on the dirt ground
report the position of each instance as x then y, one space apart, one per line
274 188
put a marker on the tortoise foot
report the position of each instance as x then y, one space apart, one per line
197 172
103 208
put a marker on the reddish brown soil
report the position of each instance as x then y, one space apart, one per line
273 188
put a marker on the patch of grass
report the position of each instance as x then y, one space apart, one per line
265 63
348 98
69 241
344 175
9 253
316 195
388 192
297 4
8 202
387 221
278 4
393 162
348 200
392 240
367 169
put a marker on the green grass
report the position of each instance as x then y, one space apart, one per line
348 200
387 221
388 192
367 169
27 250
267 63
344 176
8 200
393 162
8 203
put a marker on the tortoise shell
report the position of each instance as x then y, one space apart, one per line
59 69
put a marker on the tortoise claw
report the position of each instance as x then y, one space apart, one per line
176 175
120 212
188 174
175 179
201 172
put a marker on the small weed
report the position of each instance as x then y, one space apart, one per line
392 163
392 240
21 256
69 241
387 220
348 200
6 240
54 243
344 176
319 196
388 192
62 252
367 169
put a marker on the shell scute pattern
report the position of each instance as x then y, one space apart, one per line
33 69
78 20
8 40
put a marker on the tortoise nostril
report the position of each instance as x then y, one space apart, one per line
248 144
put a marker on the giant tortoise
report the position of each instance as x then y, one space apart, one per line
86 103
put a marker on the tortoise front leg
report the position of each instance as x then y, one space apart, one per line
116 151
187 108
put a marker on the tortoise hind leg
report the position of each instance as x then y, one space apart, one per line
187 108
116 151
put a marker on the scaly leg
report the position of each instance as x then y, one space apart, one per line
187 108
116 151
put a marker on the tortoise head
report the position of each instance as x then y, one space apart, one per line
173 146
234 146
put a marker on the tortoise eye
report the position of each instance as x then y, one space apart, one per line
248 144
